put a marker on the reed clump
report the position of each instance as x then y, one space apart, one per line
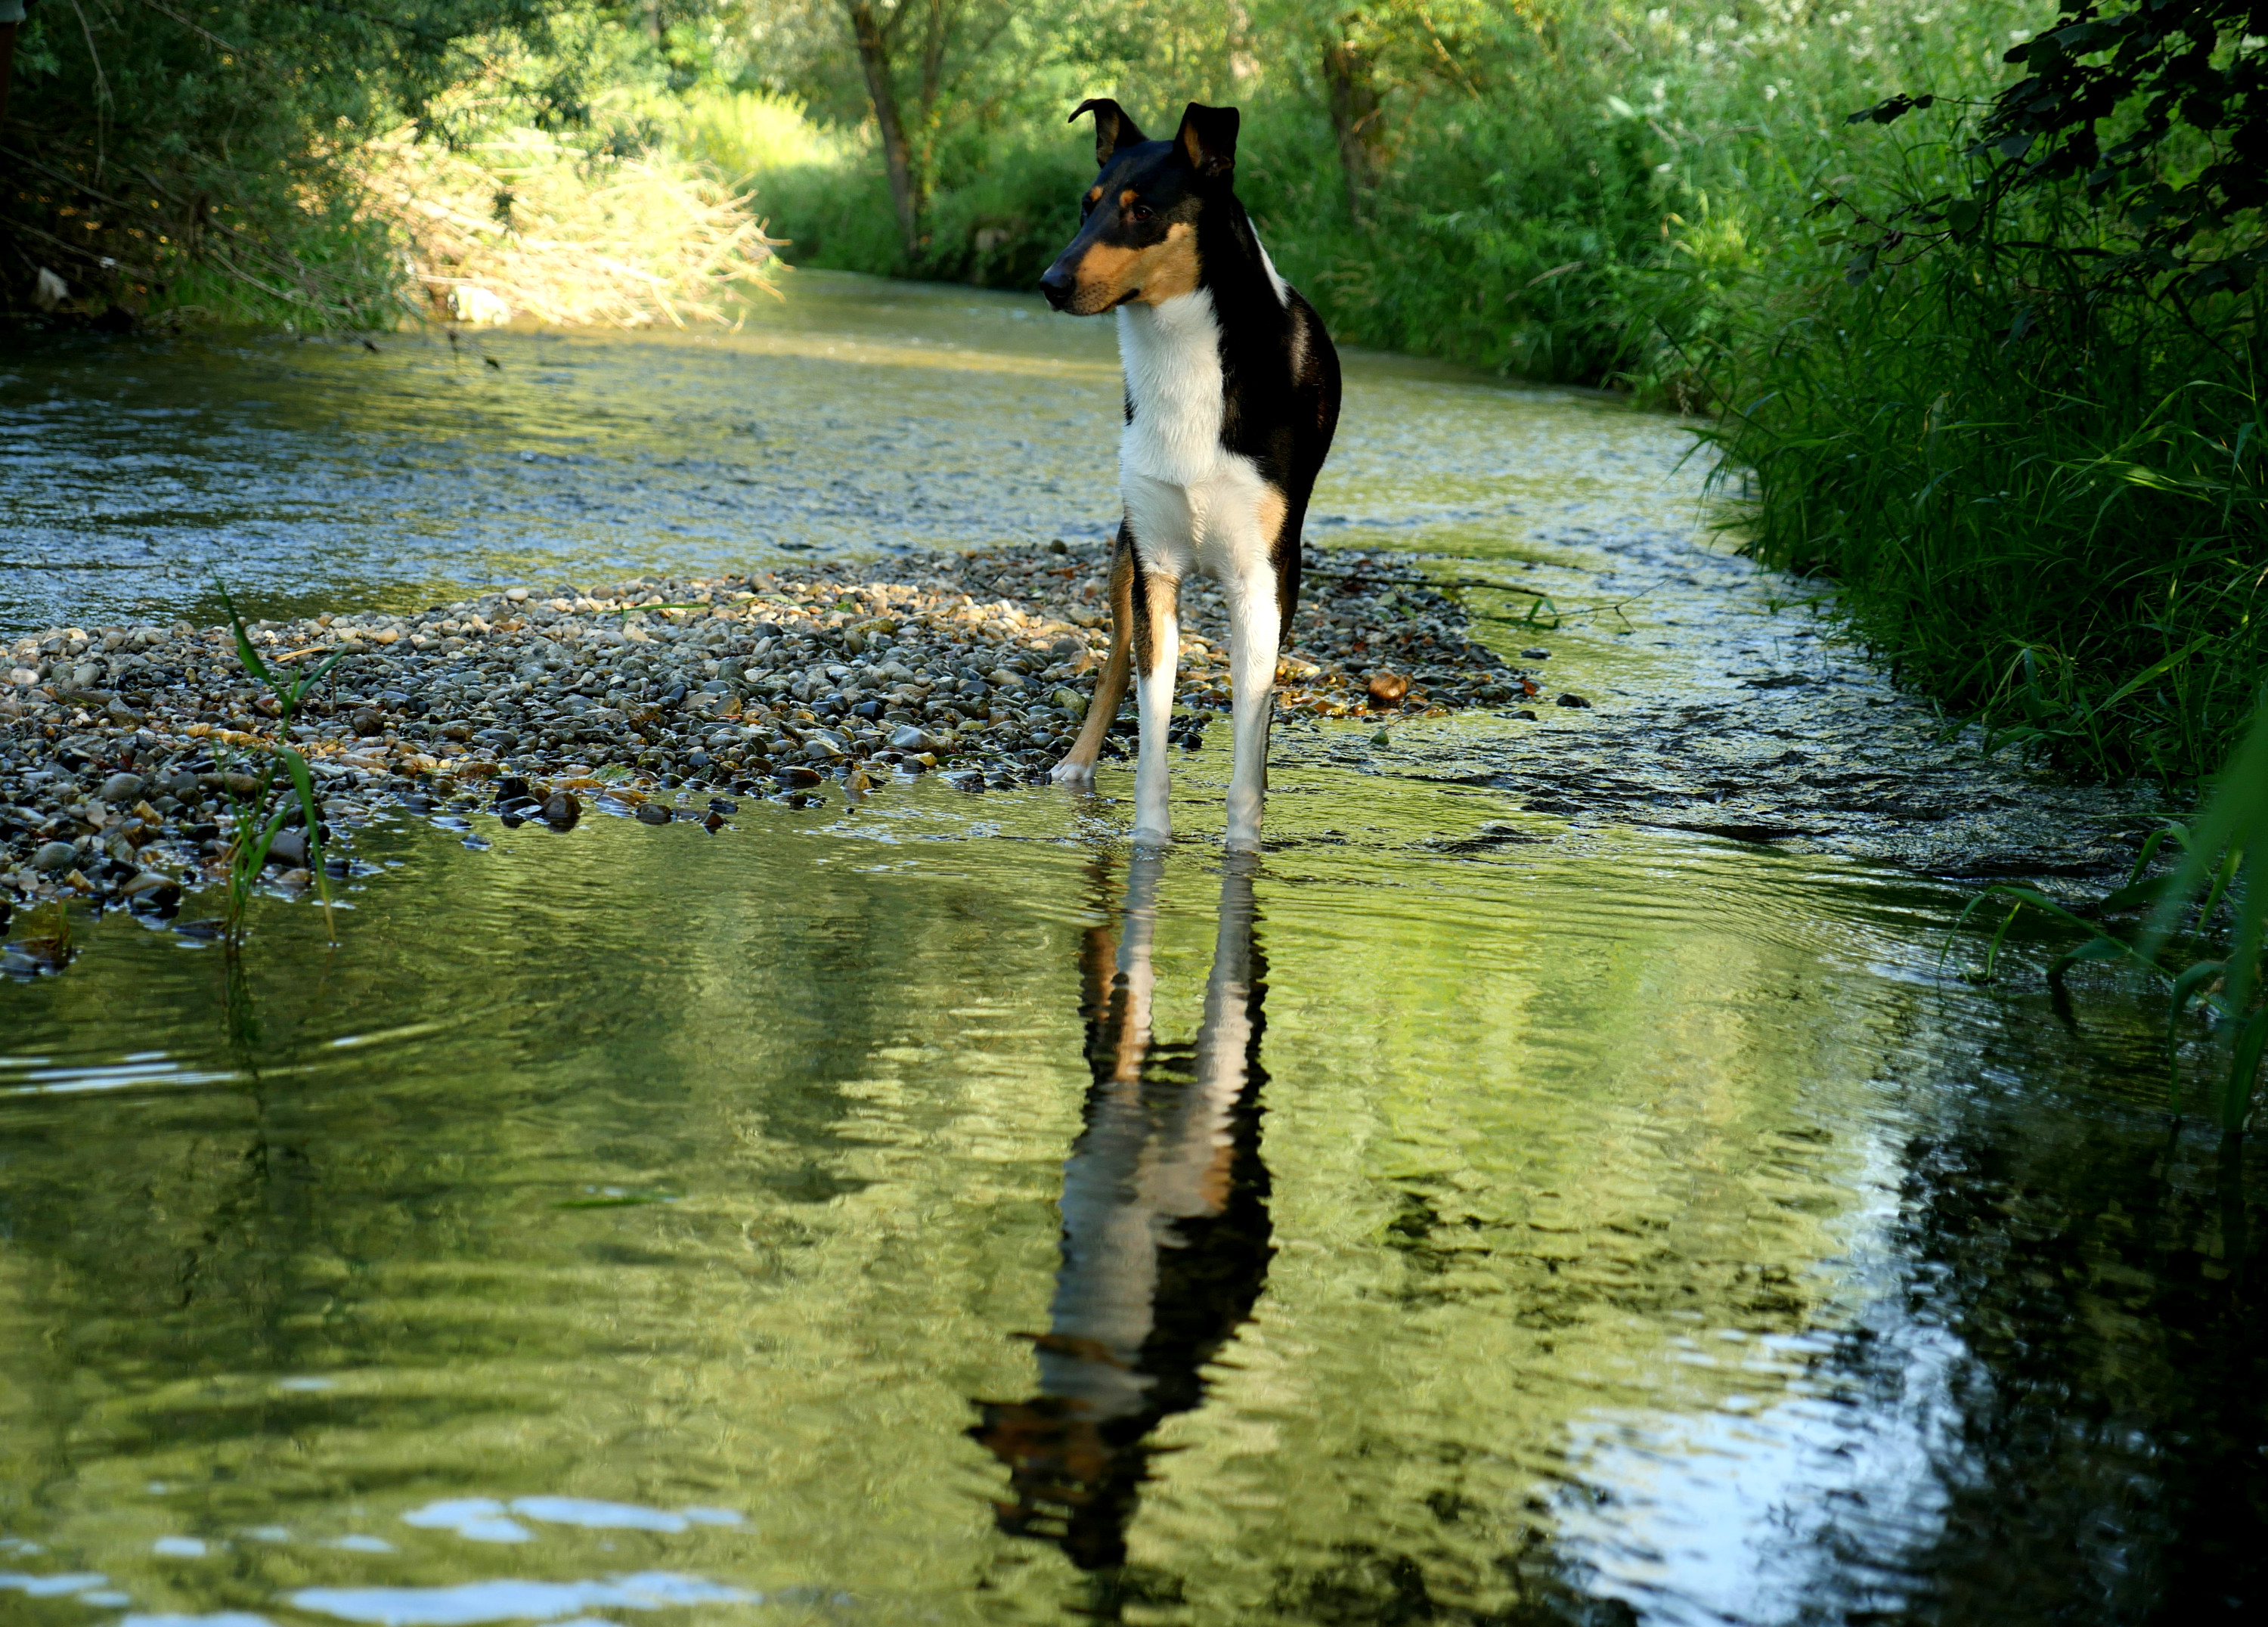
523 222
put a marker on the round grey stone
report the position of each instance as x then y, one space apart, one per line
289 849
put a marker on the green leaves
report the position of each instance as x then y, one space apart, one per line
261 816
296 766
2186 84
2156 70
245 652
185 151
1891 109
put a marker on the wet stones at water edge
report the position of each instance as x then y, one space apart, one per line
120 749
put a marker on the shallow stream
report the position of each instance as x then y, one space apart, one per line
1556 1182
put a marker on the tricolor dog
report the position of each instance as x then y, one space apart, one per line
1232 394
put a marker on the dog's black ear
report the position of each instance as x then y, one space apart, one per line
1208 139
1113 126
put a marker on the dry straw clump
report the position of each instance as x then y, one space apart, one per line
526 224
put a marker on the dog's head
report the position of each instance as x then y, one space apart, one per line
1139 239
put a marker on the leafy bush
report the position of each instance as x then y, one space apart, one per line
190 152
2024 428
523 222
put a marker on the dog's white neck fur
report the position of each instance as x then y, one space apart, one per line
1171 352
1283 289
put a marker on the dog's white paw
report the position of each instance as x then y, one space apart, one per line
1151 837
1077 775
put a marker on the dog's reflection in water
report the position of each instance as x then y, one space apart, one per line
1165 1236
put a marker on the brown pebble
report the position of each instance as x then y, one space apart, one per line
562 809
1388 688
653 813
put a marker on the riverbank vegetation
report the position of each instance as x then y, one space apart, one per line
2008 419
313 165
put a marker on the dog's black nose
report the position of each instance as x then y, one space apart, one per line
1057 285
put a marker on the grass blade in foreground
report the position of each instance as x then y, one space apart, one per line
260 812
2220 859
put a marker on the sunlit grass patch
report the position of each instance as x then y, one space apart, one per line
522 223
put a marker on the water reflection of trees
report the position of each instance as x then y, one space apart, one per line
1166 1232
2103 1279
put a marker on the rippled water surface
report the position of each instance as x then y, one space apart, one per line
925 1210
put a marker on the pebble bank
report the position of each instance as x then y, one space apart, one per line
653 699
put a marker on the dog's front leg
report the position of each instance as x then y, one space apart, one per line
1157 658
1076 768
1254 634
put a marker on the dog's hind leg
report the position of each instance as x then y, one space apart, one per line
1077 765
1256 631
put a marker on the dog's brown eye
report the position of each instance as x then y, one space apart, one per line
1137 211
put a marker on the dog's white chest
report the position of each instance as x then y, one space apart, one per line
1171 352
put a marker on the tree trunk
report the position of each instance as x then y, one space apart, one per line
936 34
881 89
1354 100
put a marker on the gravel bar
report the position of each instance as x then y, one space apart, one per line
117 745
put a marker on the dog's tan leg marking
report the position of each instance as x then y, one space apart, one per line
1077 765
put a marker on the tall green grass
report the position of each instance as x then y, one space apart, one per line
2046 505
271 787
